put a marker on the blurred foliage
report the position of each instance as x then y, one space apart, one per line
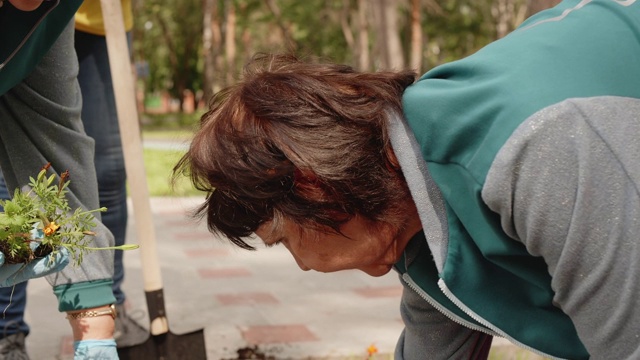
169 121
168 34
168 38
463 28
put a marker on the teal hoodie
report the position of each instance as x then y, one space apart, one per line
462 115
25 36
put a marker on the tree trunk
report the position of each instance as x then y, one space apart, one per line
499 11
508 14
218 61
174 63
534 6
230 40
387 37
208 8
286 35
363 59
345 25
415 61
247 45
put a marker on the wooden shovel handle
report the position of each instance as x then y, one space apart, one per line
123 86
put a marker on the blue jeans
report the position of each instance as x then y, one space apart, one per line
101 123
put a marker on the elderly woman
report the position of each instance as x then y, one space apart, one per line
503 187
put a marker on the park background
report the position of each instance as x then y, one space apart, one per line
186 50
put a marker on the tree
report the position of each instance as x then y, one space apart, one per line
230 39
415 56
456 29
172 32
208 28
201 45
508 15
534 6
388 45
284 28
362 55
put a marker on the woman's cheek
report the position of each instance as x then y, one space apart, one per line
26 5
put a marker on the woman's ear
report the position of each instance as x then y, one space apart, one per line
391 160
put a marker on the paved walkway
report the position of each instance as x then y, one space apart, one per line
240 299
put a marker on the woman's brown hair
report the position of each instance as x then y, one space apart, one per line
304 141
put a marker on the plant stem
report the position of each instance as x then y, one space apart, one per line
121 247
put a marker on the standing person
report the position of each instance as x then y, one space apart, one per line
503 187
100 123
100 118
40 104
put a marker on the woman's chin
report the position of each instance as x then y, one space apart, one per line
377 270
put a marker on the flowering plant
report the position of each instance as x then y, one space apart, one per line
39 221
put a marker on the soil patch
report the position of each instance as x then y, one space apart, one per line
252 353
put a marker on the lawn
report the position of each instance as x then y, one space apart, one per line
159 165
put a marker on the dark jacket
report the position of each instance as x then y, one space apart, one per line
25 36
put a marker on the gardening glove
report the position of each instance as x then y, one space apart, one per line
95 350
11 274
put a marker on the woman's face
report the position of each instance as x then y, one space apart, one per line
26 5
363 245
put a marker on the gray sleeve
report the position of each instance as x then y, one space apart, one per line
567 186
39 123
429 334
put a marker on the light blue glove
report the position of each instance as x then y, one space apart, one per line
11 274
95 350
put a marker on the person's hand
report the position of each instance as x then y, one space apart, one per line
26 5
11 274
95 350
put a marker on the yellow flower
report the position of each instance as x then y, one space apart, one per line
372 349
51 228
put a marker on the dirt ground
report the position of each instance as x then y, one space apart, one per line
500 351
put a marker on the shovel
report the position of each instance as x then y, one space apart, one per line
161 343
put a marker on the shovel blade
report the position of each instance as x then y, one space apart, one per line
167 346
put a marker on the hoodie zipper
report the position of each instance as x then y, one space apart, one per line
486 323
24 40
443 310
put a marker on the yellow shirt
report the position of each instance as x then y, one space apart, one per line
89 17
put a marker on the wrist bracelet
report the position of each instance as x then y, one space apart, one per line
94 313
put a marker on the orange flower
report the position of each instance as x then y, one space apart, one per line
372 349
51 228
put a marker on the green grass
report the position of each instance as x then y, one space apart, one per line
159 163
181 134
158 166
